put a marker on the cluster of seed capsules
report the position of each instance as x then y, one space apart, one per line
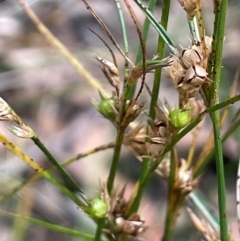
187 72
113 207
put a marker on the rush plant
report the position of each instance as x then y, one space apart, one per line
194 71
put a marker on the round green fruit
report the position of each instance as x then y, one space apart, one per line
180 118
97 208
106 108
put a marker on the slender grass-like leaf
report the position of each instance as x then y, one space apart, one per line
69 182
34 165
160 29
51 226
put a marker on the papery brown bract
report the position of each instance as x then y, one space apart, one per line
190 6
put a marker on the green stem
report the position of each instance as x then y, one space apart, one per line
51 226
160 51
116 155
217 48
100 226
62 188
220 176
66 177
171 210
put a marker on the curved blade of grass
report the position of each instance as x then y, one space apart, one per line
51 226
160 29
34 165
69 182
123 26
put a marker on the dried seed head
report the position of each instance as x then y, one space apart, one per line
190 6
195 75
134 109
24 131
135 140
191 56
107 107
133 226
163 169
110 71
8 114
175 71
203 227
184 181
159 131
116 202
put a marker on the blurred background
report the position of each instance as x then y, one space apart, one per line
50 96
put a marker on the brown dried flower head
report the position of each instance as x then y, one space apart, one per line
184 181
190 6
159 131
110 71
175 71
7 114
116 201
135 139
134 109
132 226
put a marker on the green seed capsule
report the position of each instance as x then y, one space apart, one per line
180 118
97 208
106 108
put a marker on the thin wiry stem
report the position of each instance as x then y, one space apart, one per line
107 31
123 27
160 51
142 44
105 43
145 31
